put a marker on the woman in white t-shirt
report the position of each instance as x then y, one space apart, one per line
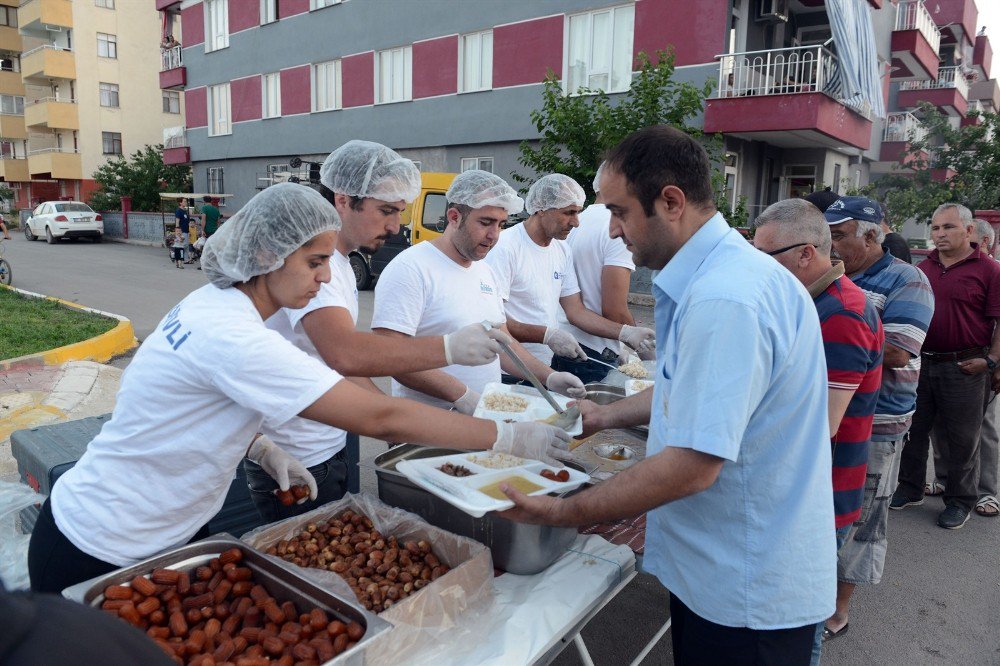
145 484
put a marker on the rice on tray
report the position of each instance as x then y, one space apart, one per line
494 460
504 402
634 369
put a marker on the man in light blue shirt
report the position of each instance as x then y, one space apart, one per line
737 475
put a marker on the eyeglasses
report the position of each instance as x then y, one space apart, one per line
785 249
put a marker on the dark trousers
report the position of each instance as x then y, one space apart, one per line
951 404
331 482
588 372
699 642
54 563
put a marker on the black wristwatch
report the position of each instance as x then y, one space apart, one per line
991 364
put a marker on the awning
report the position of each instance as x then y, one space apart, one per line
858 71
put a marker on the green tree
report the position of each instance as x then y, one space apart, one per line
142 177
577 129
945 164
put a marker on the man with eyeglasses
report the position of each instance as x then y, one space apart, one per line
796 234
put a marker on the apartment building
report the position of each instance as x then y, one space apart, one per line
77 85
810 93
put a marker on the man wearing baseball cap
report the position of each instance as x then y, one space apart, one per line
902 296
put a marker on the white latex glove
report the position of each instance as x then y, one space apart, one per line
648 355
638 338
467 403
536 441
563 344
283 467
473 345
565 383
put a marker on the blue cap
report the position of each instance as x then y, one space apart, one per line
853 208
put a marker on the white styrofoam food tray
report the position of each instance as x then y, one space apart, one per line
463 492
633 386
618 378
538 407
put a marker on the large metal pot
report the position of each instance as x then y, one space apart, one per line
517 548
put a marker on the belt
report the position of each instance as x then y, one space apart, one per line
942 357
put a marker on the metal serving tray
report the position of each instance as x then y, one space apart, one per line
517 548
282 581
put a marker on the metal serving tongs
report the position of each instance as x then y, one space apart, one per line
564 418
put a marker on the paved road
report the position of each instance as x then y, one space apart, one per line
937 604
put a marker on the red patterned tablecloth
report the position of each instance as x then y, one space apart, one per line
630 532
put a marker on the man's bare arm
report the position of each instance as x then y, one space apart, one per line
587 320
615 284
435 383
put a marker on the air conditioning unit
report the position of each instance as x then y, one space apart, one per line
773 11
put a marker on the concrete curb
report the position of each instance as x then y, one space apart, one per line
100 348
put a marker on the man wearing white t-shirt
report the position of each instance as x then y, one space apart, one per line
603 272
369 185
442 285
534 267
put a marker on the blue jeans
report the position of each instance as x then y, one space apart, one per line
331 482
842 534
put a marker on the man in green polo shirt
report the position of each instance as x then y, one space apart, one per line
209 216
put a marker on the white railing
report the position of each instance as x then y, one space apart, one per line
948 77
776 72
45 46
41 100
39 151
170 58
913 15
903 126
176 142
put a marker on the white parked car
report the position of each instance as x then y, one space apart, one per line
64 219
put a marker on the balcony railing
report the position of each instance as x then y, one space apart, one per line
171 58
903 126
39 151
948 77
776 72
176 142
45 46
913 15
42 100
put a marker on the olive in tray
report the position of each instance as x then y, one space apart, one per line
379 569
217 614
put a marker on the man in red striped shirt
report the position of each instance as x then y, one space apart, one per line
797 235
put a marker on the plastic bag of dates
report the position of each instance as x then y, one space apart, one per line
396 564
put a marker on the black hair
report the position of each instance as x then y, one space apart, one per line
660 155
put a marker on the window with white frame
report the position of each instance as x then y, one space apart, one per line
107 4
171 101
326 86
107 45
482 163
12 105
214 181
13 149
268 11
112 143
219 118
599 50
109 95
216 25
394 75
475 61
320 4
8 16
270 95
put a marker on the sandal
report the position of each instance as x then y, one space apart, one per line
988 507
830 635
934 489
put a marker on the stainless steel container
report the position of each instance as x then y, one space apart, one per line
517 548
282 581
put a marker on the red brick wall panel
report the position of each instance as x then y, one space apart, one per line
358 85
193 25
295 91
435 67
244 96
195 108
524 52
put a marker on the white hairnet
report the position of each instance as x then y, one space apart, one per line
273 224
597 178
477 189
369 170
553 191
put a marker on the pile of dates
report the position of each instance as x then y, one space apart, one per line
379 569
216 614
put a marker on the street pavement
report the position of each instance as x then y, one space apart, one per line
936 604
